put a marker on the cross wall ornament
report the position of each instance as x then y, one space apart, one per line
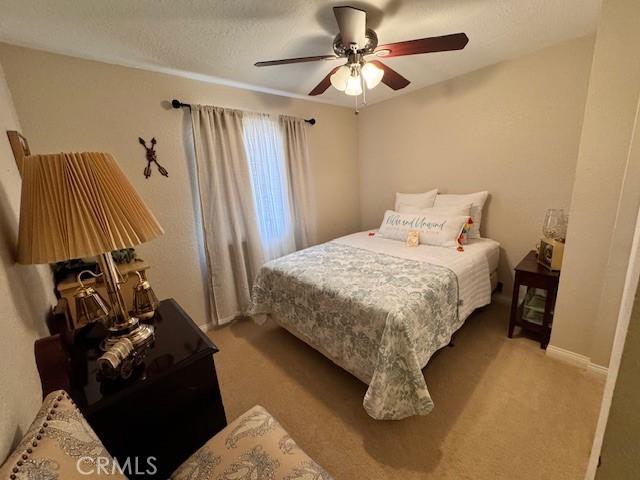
152 158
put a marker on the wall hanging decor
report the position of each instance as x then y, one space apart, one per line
19 147
152 158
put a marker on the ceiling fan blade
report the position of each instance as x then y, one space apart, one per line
456 41
324 83
295 60
352 23
391 78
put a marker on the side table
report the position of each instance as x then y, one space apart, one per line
530 273
167 410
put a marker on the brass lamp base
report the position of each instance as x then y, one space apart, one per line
140 334
121 324
124 349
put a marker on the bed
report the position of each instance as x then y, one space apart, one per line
378 308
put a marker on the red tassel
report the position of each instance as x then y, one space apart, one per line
460 249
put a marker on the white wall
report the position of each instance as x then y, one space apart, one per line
512 129
26 295
69 104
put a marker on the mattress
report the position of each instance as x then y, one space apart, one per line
490 248
494 280
473 267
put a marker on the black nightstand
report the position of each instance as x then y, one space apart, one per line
168 409
530 273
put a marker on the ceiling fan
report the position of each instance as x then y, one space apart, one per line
356 42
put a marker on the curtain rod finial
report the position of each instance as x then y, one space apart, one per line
176 103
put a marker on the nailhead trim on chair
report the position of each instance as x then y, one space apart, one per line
34 443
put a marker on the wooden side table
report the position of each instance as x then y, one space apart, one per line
530 273
167 410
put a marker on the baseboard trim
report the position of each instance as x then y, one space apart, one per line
578 360
207 327
597 370
568 356
500 297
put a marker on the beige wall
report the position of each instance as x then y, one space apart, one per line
512 129
26 295
68 104
606 192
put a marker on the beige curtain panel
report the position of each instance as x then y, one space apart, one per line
232 240
299 178
253 178
78 205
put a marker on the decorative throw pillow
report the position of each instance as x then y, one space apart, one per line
59 445
476 200
438 230
447 211
419 200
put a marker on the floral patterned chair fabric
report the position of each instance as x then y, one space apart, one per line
253 447
59 445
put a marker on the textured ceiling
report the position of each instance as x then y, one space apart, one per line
220 40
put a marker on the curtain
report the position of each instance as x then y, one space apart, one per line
264 143
253 180
294 131
229 218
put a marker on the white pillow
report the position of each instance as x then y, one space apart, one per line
439 230
420 200
448 211
476 200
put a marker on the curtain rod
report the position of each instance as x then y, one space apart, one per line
178 104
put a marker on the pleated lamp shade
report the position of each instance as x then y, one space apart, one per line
78 205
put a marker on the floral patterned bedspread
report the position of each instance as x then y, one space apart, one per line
378 316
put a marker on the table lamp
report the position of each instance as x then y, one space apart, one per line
77 205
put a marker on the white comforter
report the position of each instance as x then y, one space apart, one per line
471 266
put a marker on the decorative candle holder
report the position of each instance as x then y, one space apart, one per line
145 301
90 306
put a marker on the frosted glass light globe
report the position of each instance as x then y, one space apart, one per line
354 86
340 77
372 75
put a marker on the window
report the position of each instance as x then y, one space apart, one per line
264 145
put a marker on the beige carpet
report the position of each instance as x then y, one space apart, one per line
503 410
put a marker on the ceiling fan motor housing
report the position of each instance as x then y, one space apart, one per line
370 44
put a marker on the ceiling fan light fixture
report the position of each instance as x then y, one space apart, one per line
340 78
354 86
355 41
372 75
